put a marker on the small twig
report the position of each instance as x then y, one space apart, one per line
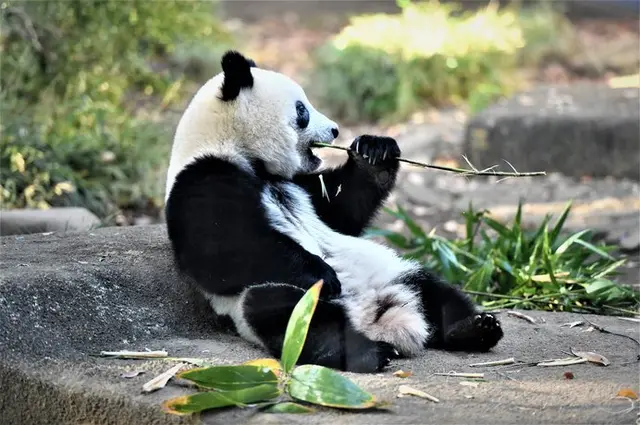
494 363
461 375
463 171
603 330
125 354
630 319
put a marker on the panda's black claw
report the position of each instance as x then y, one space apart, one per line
376 150
386 353
477 333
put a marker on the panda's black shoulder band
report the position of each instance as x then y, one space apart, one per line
237 74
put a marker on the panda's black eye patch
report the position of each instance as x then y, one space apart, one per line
303 115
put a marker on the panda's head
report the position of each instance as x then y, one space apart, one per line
247 113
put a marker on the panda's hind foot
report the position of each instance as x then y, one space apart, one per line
476 333
386 353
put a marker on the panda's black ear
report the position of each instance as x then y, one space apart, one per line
237 74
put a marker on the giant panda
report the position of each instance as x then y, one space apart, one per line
251 226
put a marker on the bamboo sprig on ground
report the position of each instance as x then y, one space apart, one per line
464 171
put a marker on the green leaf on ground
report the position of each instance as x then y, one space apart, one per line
298 327
288 407
230 378
326 387
272 364
199 402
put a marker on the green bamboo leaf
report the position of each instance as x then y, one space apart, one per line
412 225
288 407
199 402
570 240
609 269
470 220
298 327
502 230
541 229
395 238
229 378
326 387
598 286
480 278
558 227
517 221
594 249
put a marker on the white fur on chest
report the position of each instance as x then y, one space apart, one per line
368 272
357 261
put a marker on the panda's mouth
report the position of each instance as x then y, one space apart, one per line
313 162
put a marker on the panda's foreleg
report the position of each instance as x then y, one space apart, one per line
348 197
331 341
458 323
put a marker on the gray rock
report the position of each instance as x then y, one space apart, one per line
28 221
578 130
65 298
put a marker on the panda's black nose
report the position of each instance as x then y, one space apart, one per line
335 132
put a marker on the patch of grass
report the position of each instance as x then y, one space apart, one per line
506 266
82 89
385 67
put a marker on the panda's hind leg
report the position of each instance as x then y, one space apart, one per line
331 341
458 323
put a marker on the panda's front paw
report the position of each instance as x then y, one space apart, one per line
376 150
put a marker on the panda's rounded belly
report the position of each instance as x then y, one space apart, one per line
362 264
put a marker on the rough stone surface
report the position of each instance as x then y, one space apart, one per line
65 298
28 221
579 130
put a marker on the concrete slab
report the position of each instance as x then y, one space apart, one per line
585 129
65 298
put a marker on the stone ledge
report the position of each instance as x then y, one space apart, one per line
64 298
29 221
579 130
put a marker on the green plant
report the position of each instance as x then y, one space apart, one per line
385 67
264 382
528 269
82 89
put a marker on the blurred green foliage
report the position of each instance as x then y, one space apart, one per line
385 67
82 86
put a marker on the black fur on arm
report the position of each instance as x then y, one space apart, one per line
221 237
357 189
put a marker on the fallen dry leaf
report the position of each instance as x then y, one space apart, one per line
161 380
402 374
592 357
469 383
628 393
132 374
407 390
563 362
522 316
572 324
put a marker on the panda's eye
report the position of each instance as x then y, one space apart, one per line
303 115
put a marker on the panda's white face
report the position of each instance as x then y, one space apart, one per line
247 113
277 123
